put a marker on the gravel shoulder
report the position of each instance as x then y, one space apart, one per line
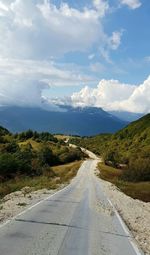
16 202
135 213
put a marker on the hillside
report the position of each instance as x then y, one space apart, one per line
73 121
28 158
129 146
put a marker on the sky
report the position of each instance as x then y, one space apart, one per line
83 53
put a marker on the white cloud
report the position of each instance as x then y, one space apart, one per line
97 67
22 82
33 32
132 4
115 40
45 71
139 101
102 6
113 95
38 29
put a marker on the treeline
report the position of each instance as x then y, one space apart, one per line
32 154
44 136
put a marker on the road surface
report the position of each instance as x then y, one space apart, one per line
79 220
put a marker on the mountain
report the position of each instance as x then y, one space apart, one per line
126 116
75 121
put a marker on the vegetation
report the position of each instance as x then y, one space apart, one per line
127 152
28 159
50 180
137 190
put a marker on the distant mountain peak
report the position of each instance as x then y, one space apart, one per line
71 120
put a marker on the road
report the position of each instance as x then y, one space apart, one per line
79 220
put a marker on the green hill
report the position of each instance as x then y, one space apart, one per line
130 146
126 156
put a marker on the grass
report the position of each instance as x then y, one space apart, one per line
138 190
63 174
35 145
67 172
61 137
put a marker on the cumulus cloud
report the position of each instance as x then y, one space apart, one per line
113 95
22 82
132 4
33 32
34 29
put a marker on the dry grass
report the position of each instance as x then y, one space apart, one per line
61 137
138 190
35 145
63 174
67 172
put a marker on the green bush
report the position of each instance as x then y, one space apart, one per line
10 165
138 170
47 157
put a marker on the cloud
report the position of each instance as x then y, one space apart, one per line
26 94
97 67
102 6
115 40
132 4
113 95
35 28
22 82
43 71
147 59
139 101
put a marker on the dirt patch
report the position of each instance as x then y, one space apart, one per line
135 213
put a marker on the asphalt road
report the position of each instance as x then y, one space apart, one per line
78 220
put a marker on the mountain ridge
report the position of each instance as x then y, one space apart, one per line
71 121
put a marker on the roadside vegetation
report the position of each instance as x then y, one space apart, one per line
136 190
33 159
126 155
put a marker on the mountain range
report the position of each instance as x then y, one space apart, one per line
69 120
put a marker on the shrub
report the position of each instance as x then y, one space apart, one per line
138 170
10 165
47 157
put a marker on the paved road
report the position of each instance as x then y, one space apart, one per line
76 221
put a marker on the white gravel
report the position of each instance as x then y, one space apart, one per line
18 201
135 213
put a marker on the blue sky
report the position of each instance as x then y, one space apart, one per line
87 51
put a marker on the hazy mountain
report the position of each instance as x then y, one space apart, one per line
76 121
126 116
